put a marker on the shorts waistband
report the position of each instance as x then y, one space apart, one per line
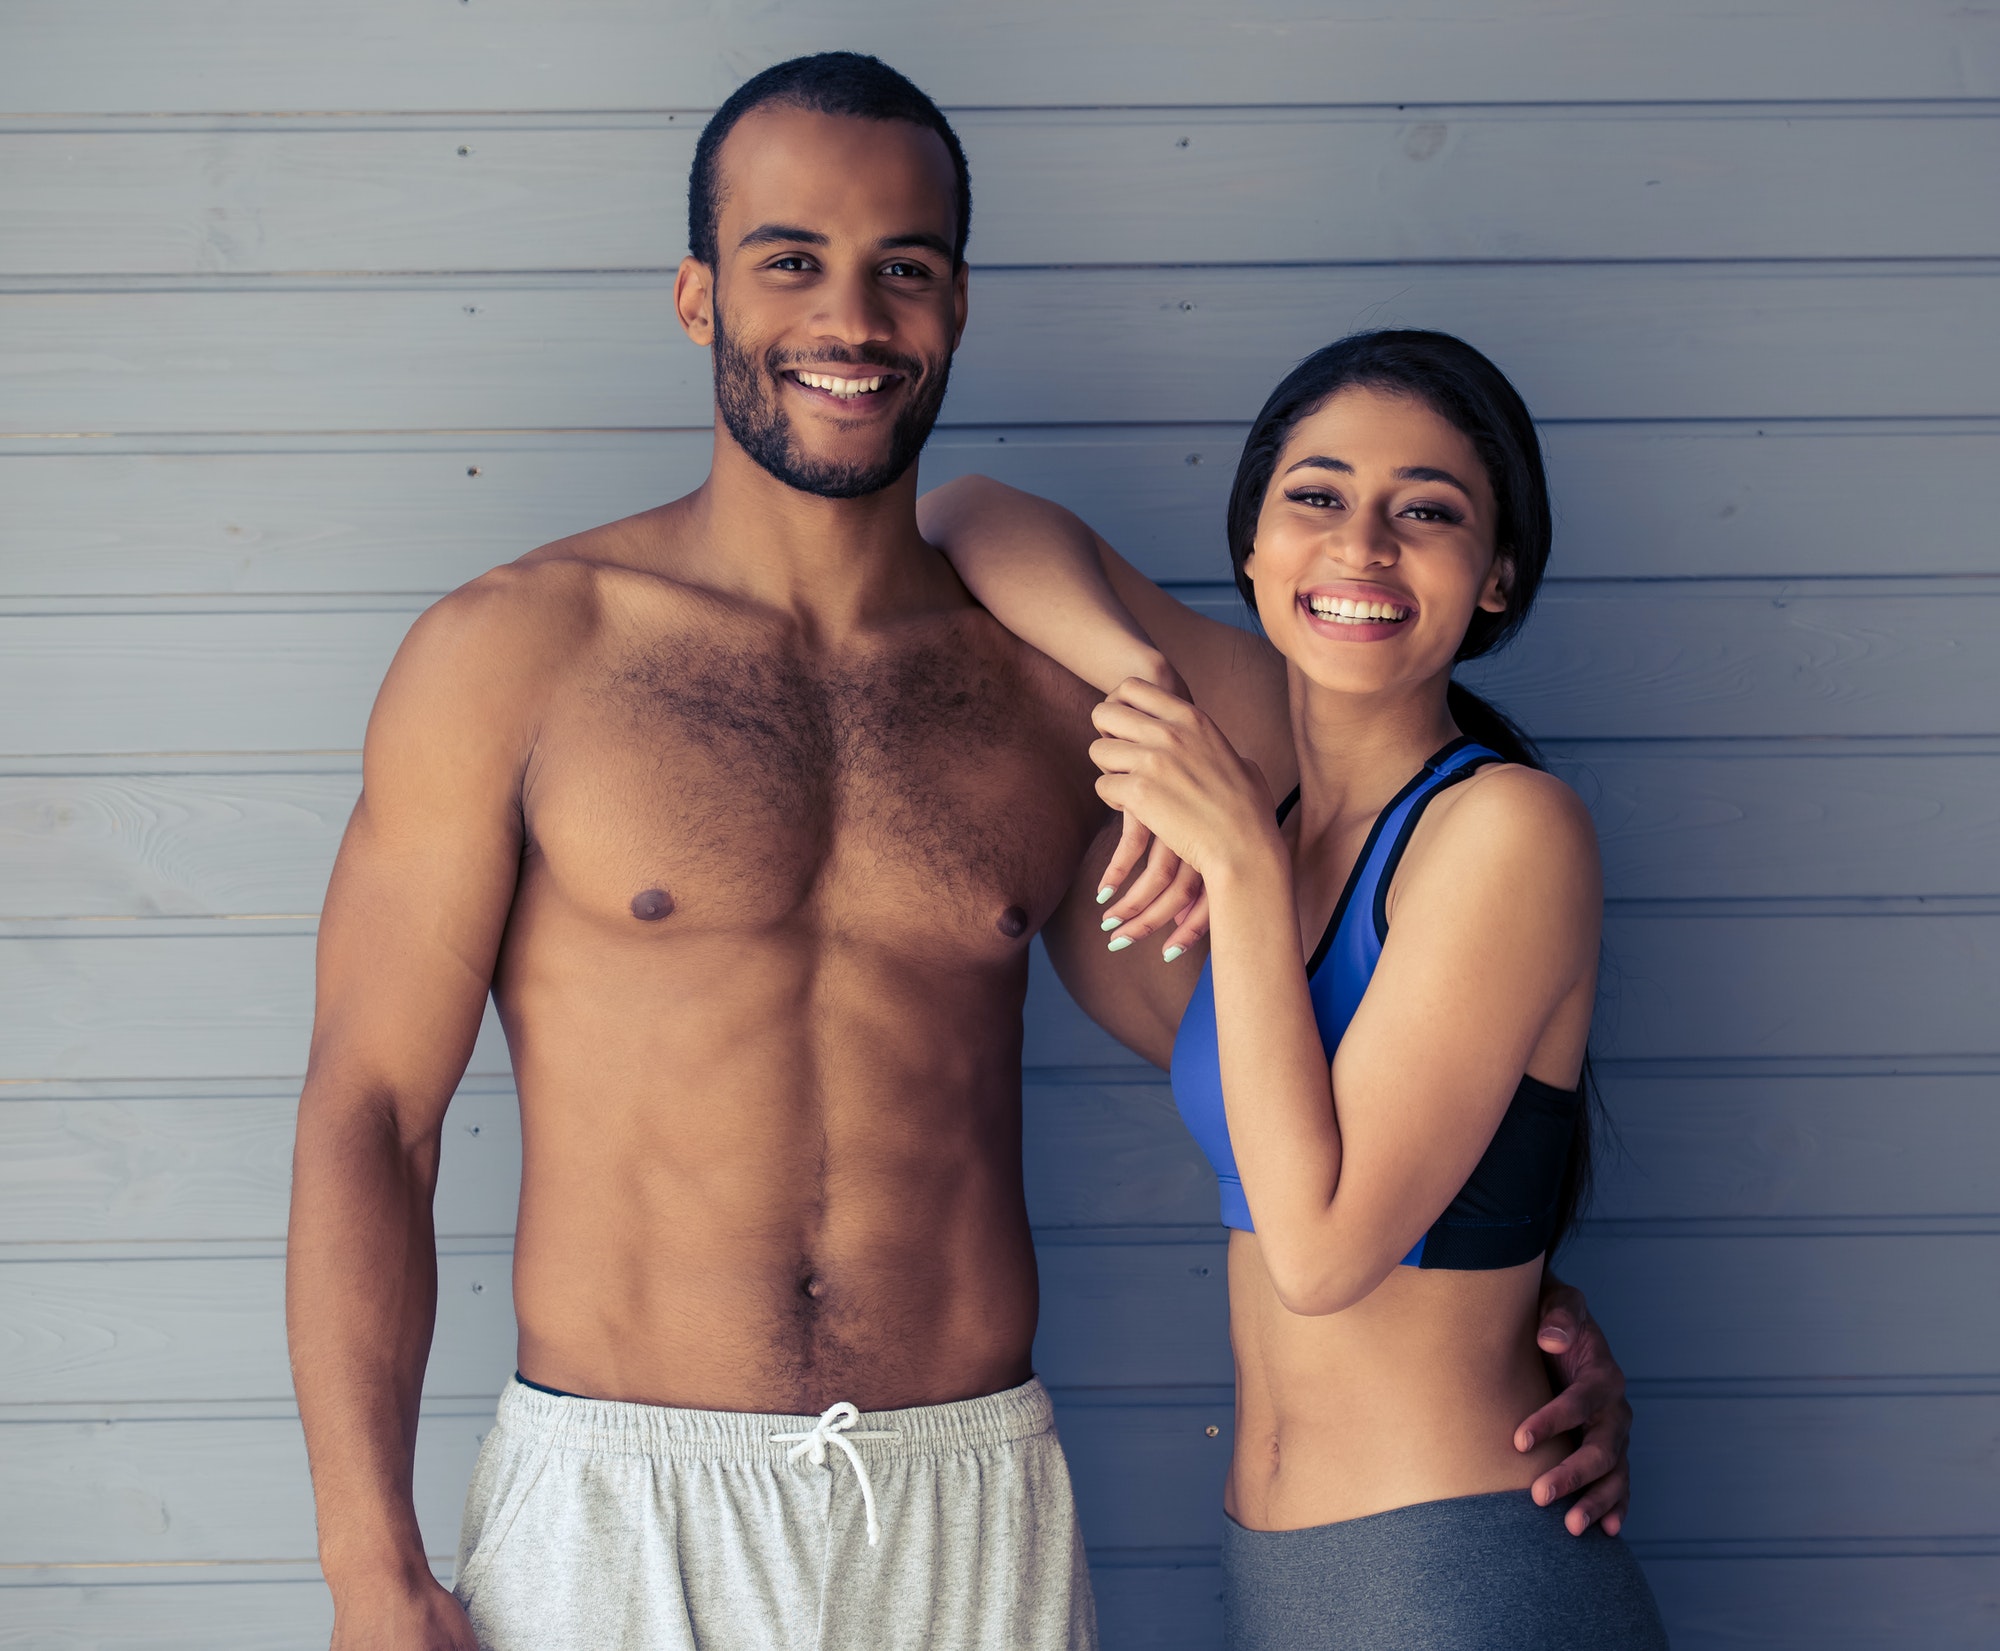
619 1428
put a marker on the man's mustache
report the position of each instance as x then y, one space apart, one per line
910 366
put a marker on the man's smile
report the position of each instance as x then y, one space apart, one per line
850 391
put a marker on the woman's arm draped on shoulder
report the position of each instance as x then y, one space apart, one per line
1035 568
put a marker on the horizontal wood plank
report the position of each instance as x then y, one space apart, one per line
1638 341
1717 825
1598 661
1785 1306
624 54
426 514
1062 187
1869 1147
1844 1604
1942 1603
1852 1470
1790 1306
92 1006
215 1167
123 1002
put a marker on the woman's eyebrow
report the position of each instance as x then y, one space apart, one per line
1424 473
1320 462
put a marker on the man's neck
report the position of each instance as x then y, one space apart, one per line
836 565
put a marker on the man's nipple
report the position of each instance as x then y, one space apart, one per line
1013 923
650 905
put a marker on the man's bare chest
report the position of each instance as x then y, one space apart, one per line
727 788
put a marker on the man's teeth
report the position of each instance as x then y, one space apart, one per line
846 388
1344 610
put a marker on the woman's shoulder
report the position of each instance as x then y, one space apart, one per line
1511 822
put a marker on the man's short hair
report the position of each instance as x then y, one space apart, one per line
827 83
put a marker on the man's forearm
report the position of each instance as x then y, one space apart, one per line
360 1302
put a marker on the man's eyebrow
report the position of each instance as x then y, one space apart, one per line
1424 473
1320 461
918 238
766 234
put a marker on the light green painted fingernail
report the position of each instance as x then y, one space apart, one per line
1110 923
1105 893
1119 943
1171 953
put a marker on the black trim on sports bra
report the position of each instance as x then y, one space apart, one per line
1417 780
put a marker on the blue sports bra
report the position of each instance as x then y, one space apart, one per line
1506 1213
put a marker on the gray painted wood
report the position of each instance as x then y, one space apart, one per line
409 513
1158 186
225 999
1790 759
1674 824
1900 1470
1102 1152
202 55
1118 1310
1598 661
1640 341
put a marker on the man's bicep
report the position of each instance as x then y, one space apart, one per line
423 883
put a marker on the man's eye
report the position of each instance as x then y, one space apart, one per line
791 261
905 270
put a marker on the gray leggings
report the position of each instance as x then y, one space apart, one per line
1473 1573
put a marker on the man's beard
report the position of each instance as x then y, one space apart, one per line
746 394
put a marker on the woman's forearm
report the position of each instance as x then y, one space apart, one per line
1034 566
1276 1081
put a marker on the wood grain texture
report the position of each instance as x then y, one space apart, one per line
1842 1470
91 1006
1637 341
123 1001
1099 1156
202 55
1839 1604
410 514
1781 1305
1154 186
1598 661
1784 823
1844 1604
194 1168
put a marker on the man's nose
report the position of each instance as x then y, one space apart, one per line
852 312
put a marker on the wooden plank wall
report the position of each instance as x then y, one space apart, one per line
309 312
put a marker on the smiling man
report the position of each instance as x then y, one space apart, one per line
746 815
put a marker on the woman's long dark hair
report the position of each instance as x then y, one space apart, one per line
1472 395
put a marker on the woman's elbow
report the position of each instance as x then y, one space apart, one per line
1308 1288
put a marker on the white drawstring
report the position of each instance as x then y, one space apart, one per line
835 1427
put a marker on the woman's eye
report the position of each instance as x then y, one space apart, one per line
1314 497
1430 513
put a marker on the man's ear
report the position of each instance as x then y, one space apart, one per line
959 279
1499 588
694 300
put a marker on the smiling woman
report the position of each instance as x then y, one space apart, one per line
1395 1096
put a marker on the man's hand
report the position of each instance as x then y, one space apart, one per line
427 1618
1590 1395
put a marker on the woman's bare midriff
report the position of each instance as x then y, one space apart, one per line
1411 1395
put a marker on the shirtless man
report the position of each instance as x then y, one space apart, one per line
746 815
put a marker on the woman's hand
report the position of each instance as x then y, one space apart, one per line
1175 778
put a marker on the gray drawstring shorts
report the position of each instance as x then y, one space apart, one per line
597 1526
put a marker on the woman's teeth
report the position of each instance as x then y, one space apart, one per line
1343 610
846 388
